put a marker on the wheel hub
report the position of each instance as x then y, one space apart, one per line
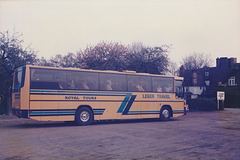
165 113
84 116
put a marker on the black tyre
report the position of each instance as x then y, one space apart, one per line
84 116
165 114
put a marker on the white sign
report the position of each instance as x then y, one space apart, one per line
220 95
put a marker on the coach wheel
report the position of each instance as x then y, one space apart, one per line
84 116
165 114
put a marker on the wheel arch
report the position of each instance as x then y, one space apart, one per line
86 106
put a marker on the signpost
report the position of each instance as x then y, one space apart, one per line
220 100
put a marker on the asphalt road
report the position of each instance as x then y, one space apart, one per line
198 135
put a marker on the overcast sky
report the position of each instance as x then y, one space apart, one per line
61 26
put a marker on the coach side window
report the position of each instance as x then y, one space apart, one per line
48 79
83 80
162 84
139 83
112 82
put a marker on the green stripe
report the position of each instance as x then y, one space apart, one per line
123 105
49 112
98 111
180 111
48 91
143 111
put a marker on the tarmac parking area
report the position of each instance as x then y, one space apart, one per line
198 135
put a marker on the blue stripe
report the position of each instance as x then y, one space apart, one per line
78 94
125 112
178 111
33 110
142 112
52 112
61 112
122 106
52 115
49 91
98 111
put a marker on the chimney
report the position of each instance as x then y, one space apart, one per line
182 71
217 62
223 63
231 62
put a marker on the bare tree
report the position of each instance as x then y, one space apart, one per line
12 56
173 69
43 62
197 60
69 60
136 46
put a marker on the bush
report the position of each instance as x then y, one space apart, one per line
202 104
207 104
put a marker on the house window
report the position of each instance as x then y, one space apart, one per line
206 74
231 81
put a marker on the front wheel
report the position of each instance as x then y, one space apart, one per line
84 116
165 114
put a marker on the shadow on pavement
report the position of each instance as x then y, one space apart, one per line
37 124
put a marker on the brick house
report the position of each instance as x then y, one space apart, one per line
201 85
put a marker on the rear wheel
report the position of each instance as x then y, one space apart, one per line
165 114
84 116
